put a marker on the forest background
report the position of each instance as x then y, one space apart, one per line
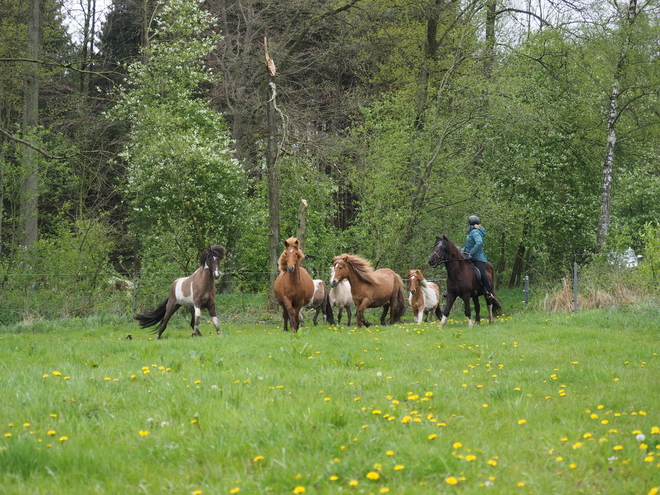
135 134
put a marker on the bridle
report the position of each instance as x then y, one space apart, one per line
442 260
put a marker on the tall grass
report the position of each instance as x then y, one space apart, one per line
531 404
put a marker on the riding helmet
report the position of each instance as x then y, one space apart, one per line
473 220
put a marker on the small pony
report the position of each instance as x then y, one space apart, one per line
194 293
340 296
293 287
424 297
371 288
462 280
321 303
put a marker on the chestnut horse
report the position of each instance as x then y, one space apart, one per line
340 296
293 287
194 293
371 288
424 297
462 280
321 303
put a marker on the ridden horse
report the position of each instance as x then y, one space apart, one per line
340 296
424 297
194 293
462 280
293 287
320 302
371 288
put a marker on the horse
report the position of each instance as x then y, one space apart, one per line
340 296
195 292
462 280
424 296
293 287
371 288
320 302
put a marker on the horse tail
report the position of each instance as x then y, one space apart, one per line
151 318
327 305
400 307
497 307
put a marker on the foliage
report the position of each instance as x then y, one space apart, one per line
184 187
401 409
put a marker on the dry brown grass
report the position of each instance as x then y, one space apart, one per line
563 300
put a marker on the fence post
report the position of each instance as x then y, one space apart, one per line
526 290
135 285
575 287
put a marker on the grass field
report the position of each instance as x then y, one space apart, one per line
534 403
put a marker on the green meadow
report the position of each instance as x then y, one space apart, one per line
535 403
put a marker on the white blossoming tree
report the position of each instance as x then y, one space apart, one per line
183 185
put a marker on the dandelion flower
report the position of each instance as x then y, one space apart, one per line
432 436
522 421
257 458
299 489
384 490
63 439
451 481
389 452
399 467
521 484
457 445
470 458
373 475
353 483
492 462
655 430
235 490
52 432
143 433
618 447
334 477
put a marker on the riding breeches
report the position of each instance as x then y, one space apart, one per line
484 275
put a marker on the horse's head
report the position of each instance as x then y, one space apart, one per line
339 270
442 251
414 278
211 259
291 256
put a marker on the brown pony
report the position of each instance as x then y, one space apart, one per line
462 280
194 293
371 288
293 287
424 297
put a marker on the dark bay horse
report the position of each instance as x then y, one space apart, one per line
371 288
293 287
194 293
424 296
462 280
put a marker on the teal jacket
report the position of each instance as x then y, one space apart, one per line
474 244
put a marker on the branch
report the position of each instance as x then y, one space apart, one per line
57 64
526 12
30 145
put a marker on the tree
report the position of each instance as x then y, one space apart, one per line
183 184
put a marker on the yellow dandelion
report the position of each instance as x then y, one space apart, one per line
399 467
376 411
52 432
197 492
334 477
299 489
143 433
572 465
235 490
353 483
257 458
406 419
492 463
457 445
7 435
384 490
618 447
389 452
522 421
432 436
373 475
655 430
56 373
521 484
63 439
451 481
577 445
470 458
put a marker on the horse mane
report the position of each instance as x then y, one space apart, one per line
293 242
452 248
217 251
361 267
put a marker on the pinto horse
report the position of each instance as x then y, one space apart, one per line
424 296
320 303
371 288
194 293
293 287
340 296
462 280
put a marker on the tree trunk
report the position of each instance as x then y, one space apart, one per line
301 232
271 166
30 183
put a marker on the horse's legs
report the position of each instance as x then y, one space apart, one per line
194 322
360 314
169 311
348 311
316 315
341 309
285 317
489 304
477 307
214 318
450 302
382 316
468 311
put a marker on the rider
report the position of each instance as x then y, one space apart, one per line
474 251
